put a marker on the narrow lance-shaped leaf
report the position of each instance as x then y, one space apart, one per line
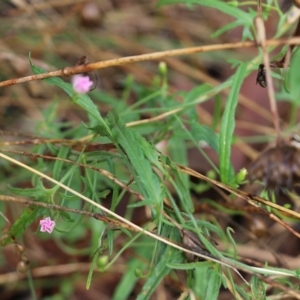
217 4
132 143
27 217
227 126
294 77
161 270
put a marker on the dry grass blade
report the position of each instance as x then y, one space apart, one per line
101 171
97 216
249 198
113 214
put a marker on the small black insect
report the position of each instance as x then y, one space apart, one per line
261 76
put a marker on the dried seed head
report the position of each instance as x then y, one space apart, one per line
22 266
278 167
20 248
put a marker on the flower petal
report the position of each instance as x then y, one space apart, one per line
47 225
81 84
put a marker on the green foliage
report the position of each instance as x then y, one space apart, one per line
161 269
140 158
134 267
145 158
227 127
27 217
258 289
294 78
83 100
207 282
217 4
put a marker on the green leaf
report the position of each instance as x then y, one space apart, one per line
202 133
83 100
183 191
208 226
219 5
227 27
99 236
161 270
201 279
190 266
228 231
242 293
58 165
294 77
128 281
195 93
110 241
227 126
139 153
247 34
181 181
258 288
177 148
92 267
27 217
214 283
205 134
140 203
38 192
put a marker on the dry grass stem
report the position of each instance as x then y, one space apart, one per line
68 71
111 213
261 39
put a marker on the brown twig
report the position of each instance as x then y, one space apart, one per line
261 39
56 207
251 199
68 71
101 171
47 271
284 62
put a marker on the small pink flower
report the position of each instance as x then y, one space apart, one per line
81 84
47 225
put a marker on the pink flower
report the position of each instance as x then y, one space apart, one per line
47 225
81 84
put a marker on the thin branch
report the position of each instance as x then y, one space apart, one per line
56 207
118 217
261 39
249 198
47 271
232 264
68 71
284 62
101 171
